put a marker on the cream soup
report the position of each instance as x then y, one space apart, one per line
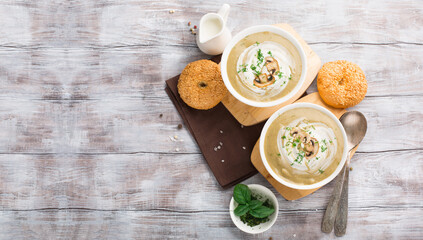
303 146
264 67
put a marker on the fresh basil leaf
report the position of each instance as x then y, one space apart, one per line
242 194
262 212
241 210
255 204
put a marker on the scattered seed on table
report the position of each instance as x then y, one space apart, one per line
179 126
221 143
242 126
219 147
215 149
223 160
175 137
351 168
191 29
161 115
177 149
221 131
171 11
189 23
244 148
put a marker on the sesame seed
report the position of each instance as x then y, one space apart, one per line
221 143
223 160
244 147
219 147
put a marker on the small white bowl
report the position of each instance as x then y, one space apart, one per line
257 29
303 105
266 194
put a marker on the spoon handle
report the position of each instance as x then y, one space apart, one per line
342 215
332 208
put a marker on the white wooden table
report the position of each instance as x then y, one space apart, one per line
84 152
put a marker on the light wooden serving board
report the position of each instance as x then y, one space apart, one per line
286 192
248 115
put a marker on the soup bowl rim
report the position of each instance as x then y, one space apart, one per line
291 184
257 29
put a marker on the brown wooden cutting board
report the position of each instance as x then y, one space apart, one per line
286 192
248 115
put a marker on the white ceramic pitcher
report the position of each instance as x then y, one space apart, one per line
213 35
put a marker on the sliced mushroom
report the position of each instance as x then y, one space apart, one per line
304 137
294 131
311 148
271 65
264 80
266 76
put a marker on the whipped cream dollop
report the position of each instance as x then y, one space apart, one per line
265 68
309 147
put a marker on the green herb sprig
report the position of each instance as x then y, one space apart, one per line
249 205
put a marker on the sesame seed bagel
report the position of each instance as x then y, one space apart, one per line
341 84
200 85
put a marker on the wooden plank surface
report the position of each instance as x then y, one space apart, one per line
84 153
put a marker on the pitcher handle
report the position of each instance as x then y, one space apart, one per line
224 12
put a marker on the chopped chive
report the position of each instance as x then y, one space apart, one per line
280 75
321 171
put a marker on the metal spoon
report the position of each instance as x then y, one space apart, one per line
355 125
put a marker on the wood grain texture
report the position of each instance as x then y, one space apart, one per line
85 155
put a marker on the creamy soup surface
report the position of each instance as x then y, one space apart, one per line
303 146
264 67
